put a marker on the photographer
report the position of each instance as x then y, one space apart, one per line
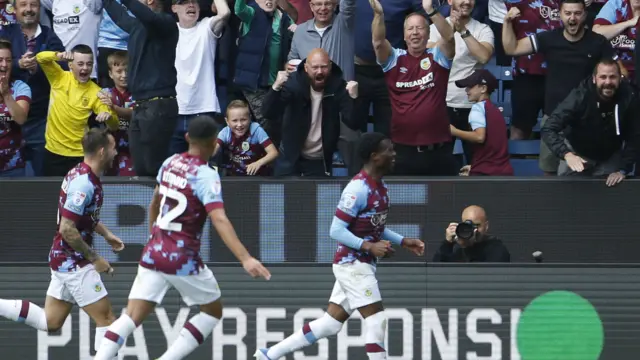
469 241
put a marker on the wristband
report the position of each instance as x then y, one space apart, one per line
435 11
465 34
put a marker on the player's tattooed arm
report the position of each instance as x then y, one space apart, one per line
72 236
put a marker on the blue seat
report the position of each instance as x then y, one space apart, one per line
538 125
506 73
524 147
369 127
505 108
495 70
526 167
457 148
337 171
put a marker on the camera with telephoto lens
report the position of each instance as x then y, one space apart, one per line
466 230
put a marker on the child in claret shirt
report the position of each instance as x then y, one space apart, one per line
119 99
246 147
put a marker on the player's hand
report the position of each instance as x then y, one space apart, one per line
450 233
513 14
282 78
293 28
5 89
615 178
378 249
456 21
102 266
103 116
253 168
65 55
352 89
255 268
465 170
427 5
116 244
575 162
376 7
414 245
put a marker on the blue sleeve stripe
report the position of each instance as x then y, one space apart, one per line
340 233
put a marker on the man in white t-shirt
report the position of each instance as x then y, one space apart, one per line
195 64
76 22
474 48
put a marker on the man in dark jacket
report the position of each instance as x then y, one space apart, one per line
595 129
314 100
28 37
153 38
478 247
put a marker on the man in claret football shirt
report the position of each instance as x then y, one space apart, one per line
75 265
359 228
417 79
188 190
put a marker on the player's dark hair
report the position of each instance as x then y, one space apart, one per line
94 140
82 49
607 62
202 127
573 2
369 144
5 44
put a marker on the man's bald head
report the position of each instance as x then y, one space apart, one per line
318 67
478 216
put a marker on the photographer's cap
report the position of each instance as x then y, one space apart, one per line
479 77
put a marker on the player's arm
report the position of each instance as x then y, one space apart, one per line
72 236
219 21
79 195
478 122
48 63
154 208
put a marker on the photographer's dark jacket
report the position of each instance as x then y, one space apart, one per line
293 103
490 249
593 128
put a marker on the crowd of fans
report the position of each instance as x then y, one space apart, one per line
292 83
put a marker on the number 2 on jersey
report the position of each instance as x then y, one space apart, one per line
166 221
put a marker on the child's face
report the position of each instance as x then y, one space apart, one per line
118 73
475 92
239 121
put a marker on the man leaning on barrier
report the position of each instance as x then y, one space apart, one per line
469 240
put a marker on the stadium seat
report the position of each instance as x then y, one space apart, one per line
524 147
494 70
526 167
369 127
339 171
505 73
505 108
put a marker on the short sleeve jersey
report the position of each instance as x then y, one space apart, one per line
418 90
11 156
80 201
536 16
364 205
568 62
123 100
238 152
190 189
615 12
7 13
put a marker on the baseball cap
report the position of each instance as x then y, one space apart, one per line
479 77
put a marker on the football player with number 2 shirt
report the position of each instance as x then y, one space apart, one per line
359 228
75 265
188 190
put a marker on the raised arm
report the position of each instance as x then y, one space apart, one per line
607 24
159 22
18 101
381 45
48 64
512 46
277 98
222 16
289 9
118 13
447 44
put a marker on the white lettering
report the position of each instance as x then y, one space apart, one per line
484 338
345 341
622 41
299 319
515 319
416 83
46 340
431 325
171 333
173 179
263 335
407 333
220 339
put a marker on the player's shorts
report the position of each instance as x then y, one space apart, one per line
83 287
151 285
356 286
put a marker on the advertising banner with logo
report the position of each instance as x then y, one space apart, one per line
284 221
525 312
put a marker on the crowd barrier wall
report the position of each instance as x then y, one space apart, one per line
576 221
435 312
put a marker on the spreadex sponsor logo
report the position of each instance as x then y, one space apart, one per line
460 339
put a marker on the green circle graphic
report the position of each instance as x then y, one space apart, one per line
560 325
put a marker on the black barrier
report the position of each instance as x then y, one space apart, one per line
289 220
435 313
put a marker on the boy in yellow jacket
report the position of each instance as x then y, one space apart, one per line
74 97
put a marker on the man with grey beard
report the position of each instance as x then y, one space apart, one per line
571 51
28 37
595 129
